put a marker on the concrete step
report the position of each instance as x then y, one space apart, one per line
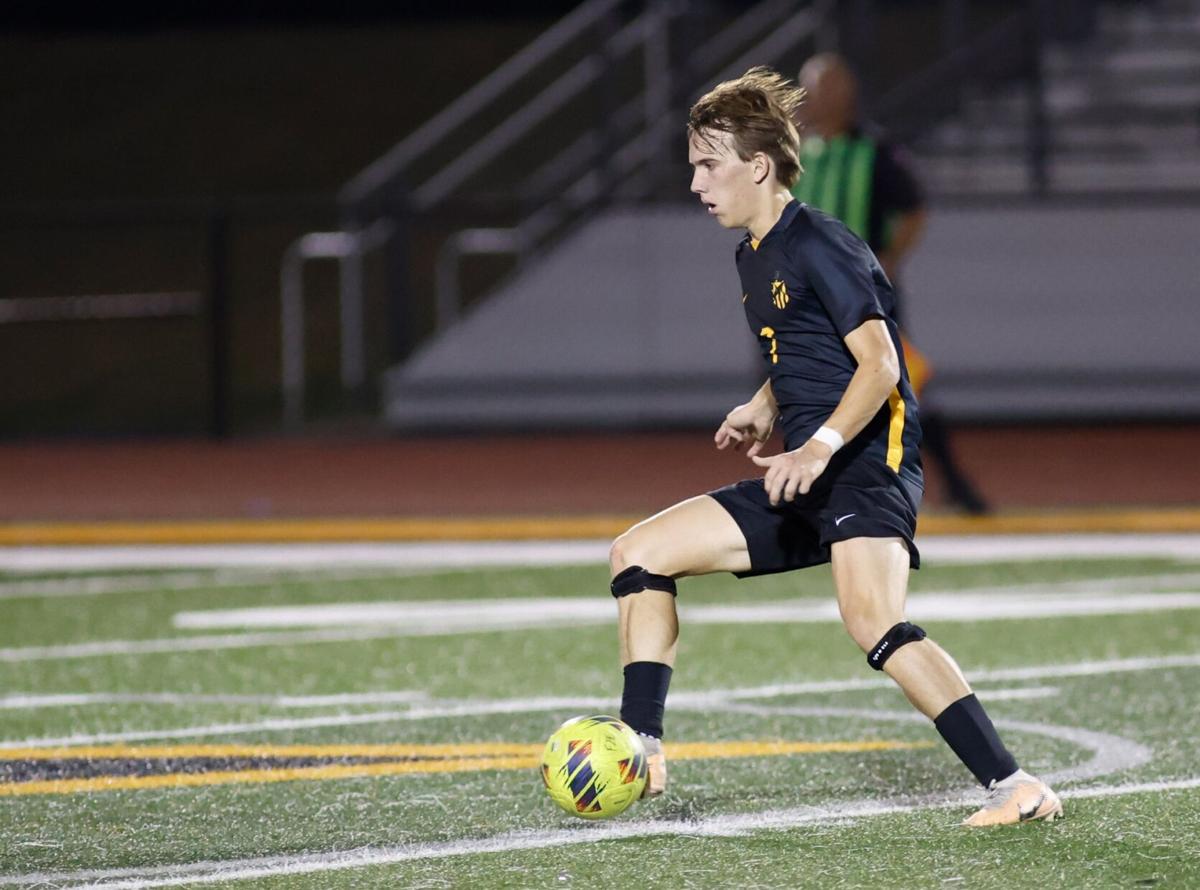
1144 21
1103 111
1068 137
1128 62
948 176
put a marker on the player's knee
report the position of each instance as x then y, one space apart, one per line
620 554
634 567
630 549
865 628
897 636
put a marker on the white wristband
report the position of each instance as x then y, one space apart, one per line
830 437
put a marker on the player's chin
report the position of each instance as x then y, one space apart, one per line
722 218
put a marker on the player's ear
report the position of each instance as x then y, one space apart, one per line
760 167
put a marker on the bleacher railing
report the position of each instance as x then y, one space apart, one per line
597 48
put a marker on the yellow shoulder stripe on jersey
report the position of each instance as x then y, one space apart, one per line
895 430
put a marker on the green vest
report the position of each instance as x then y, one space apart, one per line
837 179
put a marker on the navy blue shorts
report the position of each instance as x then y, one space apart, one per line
797 534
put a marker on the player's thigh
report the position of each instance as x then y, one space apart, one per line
871 577
694 537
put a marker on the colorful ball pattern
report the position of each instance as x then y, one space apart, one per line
594 767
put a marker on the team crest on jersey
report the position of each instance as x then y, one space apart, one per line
779 294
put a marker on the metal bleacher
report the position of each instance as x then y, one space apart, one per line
557 163
576 120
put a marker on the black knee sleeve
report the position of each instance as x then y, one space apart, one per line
900 635
636 579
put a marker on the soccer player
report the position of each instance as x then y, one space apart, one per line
847 486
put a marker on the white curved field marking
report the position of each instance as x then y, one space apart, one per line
713 826
1110 753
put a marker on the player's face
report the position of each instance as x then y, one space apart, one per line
724 182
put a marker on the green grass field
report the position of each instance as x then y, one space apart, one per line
156 733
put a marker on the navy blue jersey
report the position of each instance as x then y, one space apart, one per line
805 286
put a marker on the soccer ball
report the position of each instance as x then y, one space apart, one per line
594 767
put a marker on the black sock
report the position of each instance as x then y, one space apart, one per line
969 732
646 684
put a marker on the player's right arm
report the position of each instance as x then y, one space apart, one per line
751 422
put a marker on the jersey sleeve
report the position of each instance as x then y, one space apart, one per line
838 267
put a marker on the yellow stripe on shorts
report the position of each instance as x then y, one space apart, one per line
895 430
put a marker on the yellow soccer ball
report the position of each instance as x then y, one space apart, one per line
594 767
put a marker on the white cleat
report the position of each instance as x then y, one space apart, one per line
656 766
1019 798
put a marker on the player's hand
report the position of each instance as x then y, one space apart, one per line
751 422
793 472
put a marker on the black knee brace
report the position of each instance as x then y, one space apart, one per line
900 635
636 579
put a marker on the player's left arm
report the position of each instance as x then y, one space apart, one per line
878 371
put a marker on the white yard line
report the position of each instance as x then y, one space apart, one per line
85 585
347 622
215 642
1019 693
31 588
70 700
982 675
277 724
999 548
934 549
469 616
92 585
738 825
965 606
33 702
432 555
435 709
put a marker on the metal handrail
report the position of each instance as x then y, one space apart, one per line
388 168
742 29
800 26
577 78
707 56
476 242
348 248
782 22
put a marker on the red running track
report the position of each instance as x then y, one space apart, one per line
632 473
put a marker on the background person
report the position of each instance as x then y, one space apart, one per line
852 173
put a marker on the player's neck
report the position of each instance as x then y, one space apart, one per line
768 213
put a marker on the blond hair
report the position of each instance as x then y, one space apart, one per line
757 110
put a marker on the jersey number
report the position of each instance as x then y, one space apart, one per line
769 333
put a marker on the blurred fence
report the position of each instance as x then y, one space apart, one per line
151 317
